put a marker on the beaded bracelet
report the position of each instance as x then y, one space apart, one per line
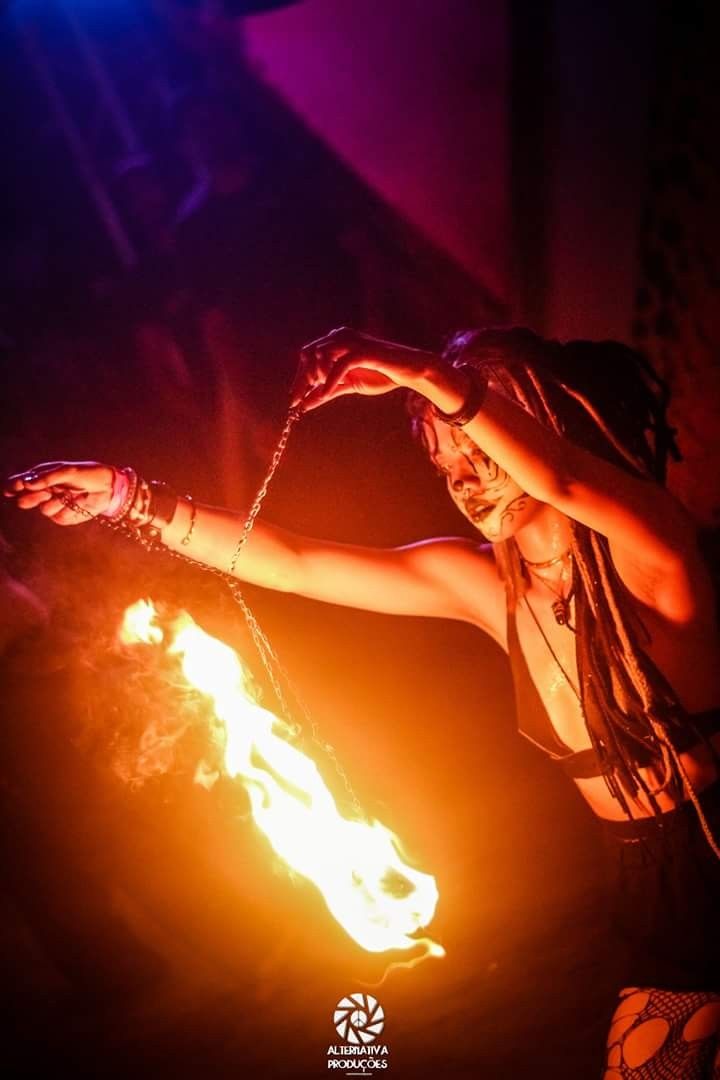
125 483
139 512
118 491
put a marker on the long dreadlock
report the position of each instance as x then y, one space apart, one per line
604 397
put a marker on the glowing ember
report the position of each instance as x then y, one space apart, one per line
357 866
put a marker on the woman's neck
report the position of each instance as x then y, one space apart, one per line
548 535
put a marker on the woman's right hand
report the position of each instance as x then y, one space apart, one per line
50 486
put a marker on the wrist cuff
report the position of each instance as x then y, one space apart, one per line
163 504
473 402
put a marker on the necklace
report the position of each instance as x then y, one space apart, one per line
561 604
548 562
551 650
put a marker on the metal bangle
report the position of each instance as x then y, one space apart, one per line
193 514
129 499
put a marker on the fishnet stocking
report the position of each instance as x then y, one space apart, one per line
664 1035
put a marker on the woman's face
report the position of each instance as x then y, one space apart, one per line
482 491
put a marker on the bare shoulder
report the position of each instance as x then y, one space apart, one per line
467 573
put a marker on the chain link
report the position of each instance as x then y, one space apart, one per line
292 418
275 671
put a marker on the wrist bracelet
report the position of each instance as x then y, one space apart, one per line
162 505
139 512
149 507
125 482
473 402
118 491
193 514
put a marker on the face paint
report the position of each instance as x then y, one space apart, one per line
479 487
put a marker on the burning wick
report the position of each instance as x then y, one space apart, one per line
358 867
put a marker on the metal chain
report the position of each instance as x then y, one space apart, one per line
561 604
267 654
292 418
551 650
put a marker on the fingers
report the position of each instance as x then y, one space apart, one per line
58 511
56 488
52 506
40 477
315 365
28 500
343 337
337 382
72 476
51 502
317 360
338 372
321 395
19 482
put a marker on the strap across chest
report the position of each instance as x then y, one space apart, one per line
535 725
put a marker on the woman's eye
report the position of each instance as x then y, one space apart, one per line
490 467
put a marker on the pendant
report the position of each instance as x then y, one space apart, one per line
561 611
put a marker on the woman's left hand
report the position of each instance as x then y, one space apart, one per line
347 361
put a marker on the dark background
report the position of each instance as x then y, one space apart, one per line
193 191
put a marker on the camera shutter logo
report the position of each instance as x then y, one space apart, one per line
359 1019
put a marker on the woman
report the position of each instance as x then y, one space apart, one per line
593 582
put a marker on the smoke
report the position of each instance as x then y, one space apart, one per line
131 709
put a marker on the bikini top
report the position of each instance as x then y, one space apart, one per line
583 764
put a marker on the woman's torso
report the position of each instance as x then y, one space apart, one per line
686 655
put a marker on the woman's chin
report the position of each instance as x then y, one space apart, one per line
507 521
491 530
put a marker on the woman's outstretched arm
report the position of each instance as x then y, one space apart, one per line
444 577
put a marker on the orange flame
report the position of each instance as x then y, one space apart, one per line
373 893
140 624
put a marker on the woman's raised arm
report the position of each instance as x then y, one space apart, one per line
652 538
